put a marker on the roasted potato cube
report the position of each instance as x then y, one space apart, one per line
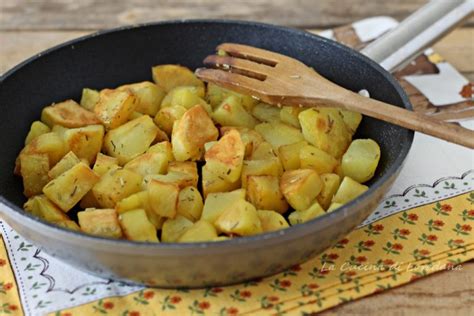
116 185
166 117
136 226
333 206
148 94
268 167
71 186
232 113
148 163
37 128
299 217
289 115
279 134
290 155
300 187
226 157
263 151
68 114
43 208
317 159
187 167
351 119
264 193
173 228
104 164
271 221
161 136
215 96
361 159
66 163
180 179
163 198
85 142
50 143
325 129
191 132
100 222
348 190
162 147
68 224
331 183
171 76
89 201
198 232
34 171
250 138
216 203
115 107
140 200
213 183
185 96
131 139
190 203
266 113
89 99
240 218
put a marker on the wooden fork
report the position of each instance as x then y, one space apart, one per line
278 79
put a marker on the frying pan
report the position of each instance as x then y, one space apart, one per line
115 57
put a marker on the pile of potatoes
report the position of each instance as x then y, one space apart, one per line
175 160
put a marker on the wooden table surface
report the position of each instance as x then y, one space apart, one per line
30 26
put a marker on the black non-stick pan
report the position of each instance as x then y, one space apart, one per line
124 55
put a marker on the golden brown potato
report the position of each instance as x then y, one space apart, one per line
290 155
100 222
34 171
213 183
148 163
116 185
361 159
271 221
186 97
190 203
279 134
266 113
89 99
68 114
269 167
187 167
42 207
162 147
136 226
148 94
37 128
325 129
351 119
298 217
171 76
131 139
250 138
115 107
231 112
300 187
199 231
166 117
66 163
71 186
264 193
85 142
225 158
331 183
140 200
216 95
216 203
289 115
240 219
163 198
317 159
49 143
191 132
180 179
173 228
263 151
104 164
348 190
68 224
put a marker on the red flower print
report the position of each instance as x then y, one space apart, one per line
467 90
66 314
350 273
432 237
361 259
471 212
12 307
7 286
446 207
296 268
412 217
333 256
232 311
404 232
246 294
148 295
175 299
324 271
133 313
397 246
458 241
414 277
204 305
273 298
108 305
424 252
285 283
313 286
378 227
343 241
2 262
466 228
388 262
438 223
217 290
369 243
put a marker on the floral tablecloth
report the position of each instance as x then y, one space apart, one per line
424 224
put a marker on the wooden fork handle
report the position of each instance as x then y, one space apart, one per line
408 119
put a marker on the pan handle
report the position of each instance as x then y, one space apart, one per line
417 32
